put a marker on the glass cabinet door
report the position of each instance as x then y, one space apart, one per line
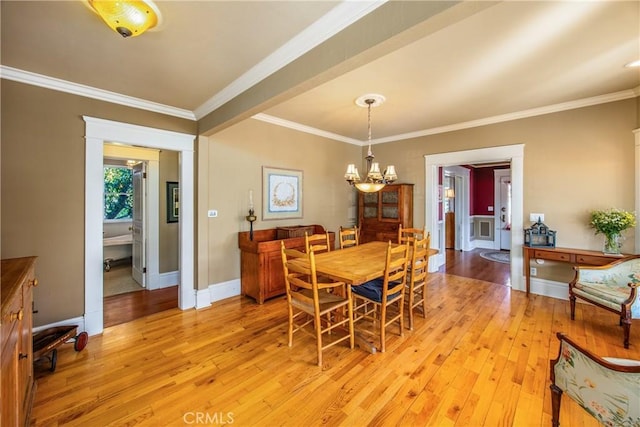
389 204
370 208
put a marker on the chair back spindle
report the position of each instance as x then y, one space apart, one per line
349 237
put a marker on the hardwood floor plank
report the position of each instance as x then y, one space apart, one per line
480 357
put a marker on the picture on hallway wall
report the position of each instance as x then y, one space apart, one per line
173 202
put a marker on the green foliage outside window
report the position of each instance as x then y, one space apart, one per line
118 193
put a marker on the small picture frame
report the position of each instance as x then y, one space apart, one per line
173 201
281 193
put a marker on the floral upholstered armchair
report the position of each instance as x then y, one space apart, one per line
613 287
607 388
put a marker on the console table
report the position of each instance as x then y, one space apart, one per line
568 255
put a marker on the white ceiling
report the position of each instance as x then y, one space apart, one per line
493 62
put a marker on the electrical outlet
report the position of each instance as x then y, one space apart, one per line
533 271
212 213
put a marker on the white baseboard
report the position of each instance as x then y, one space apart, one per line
549 288
217 292
483 244
163 280
93 322
74 321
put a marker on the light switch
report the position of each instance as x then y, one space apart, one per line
533 217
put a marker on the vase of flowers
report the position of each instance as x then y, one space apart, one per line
612 223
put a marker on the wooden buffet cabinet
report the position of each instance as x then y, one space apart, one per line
16 341
380 214
261 273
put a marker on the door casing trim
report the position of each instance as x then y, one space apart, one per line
97 133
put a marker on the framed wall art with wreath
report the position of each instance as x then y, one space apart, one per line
281 193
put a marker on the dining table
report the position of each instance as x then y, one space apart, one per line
354 266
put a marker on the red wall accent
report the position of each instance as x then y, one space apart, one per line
482 190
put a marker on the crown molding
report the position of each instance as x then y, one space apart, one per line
35 79
334 21
53 83
306 129
555 108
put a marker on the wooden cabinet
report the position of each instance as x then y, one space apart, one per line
380 214
450 227
261 273
16 341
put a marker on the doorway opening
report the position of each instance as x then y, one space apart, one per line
449 211
122 202
433 164
99 132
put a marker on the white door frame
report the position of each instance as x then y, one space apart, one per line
498 175
97 132
461 178
511 153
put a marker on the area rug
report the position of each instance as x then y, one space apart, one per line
497 256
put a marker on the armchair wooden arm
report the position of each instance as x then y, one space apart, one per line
607 388
613 287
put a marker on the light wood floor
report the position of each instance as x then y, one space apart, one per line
480 358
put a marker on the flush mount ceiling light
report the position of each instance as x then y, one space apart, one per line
375 180
129 18
633 64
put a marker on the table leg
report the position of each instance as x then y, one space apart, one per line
527 270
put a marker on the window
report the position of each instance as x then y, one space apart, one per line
118 192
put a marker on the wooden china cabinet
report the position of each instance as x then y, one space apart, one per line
381 213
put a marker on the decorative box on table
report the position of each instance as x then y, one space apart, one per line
539 235
298 231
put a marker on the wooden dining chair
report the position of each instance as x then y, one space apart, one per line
349 237
317 242
409 234
417 272
309 304
373 299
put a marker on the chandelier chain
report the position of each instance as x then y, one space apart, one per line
375 179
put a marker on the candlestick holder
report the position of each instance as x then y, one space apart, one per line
251 218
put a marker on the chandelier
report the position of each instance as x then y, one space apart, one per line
375 180
129 18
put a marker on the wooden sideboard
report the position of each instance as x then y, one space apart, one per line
261 273
16 341
568 255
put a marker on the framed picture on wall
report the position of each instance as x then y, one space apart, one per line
173 201
281 193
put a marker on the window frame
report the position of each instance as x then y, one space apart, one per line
116 220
